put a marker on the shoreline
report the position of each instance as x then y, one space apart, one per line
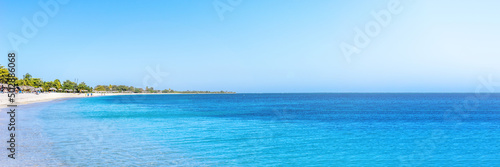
29 98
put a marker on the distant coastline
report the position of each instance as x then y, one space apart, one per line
31 84
29 98
29 89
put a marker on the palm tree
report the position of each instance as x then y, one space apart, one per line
57 84
4 75
47 85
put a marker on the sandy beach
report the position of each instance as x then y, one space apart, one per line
30 139
28 98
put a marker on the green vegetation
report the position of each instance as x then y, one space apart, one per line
115 88
29 83
131 89
196 92
4 74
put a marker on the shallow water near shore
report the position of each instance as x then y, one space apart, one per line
266 130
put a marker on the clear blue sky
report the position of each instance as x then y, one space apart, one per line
261 45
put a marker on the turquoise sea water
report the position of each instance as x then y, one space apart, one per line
272 130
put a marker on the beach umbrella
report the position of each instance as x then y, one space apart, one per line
60 89
52 89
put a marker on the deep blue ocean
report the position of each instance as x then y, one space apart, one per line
272 130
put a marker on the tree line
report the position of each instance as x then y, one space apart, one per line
29 80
